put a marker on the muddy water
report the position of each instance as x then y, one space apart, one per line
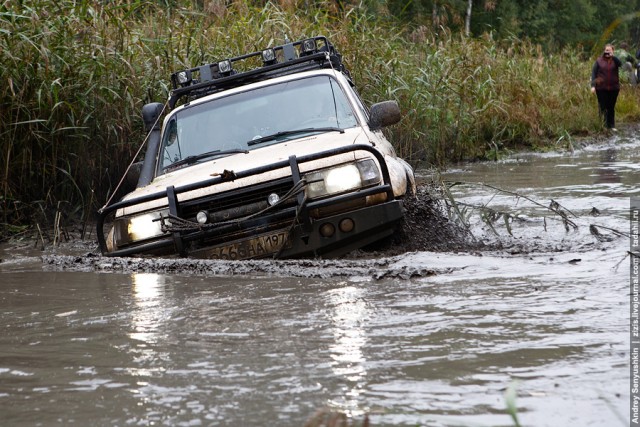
547 316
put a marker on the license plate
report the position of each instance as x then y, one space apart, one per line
256 247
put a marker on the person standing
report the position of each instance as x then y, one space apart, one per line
605 83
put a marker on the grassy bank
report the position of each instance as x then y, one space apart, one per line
76 75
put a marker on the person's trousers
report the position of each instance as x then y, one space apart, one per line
607 103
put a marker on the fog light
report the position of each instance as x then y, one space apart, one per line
273 199
202 217
327 229
347 225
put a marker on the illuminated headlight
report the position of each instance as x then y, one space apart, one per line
342 178
224 67
137 228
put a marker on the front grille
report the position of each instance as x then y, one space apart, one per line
239 203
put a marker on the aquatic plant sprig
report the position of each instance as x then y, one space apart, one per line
554 206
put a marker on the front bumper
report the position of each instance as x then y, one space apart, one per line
294 231
327 237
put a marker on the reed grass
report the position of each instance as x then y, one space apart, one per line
77 72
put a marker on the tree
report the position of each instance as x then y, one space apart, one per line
553 24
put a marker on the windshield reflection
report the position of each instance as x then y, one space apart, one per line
233 121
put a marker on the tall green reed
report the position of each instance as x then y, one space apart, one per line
77 73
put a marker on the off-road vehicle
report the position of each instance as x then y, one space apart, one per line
268 154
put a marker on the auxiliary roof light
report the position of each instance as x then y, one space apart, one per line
224 67
184 77
269 56
308 46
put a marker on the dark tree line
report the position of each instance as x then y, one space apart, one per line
553 24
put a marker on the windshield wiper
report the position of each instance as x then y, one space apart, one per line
196 157
292 132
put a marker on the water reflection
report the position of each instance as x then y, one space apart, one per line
148 292
350 313
147 319
608 173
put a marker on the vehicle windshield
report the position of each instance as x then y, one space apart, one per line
231 123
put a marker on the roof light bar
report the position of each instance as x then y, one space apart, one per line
276 60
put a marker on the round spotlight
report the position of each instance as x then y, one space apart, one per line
347 225
202 217
327 229
273 199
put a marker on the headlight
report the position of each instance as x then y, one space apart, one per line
342 178
138 227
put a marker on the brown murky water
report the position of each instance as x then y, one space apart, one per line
108 347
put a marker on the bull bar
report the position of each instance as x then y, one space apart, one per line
178 239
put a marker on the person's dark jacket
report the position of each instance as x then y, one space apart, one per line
604 75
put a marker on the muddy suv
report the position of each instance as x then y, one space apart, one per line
268 154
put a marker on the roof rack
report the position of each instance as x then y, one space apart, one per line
292 57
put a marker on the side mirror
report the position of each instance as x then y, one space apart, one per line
384 114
